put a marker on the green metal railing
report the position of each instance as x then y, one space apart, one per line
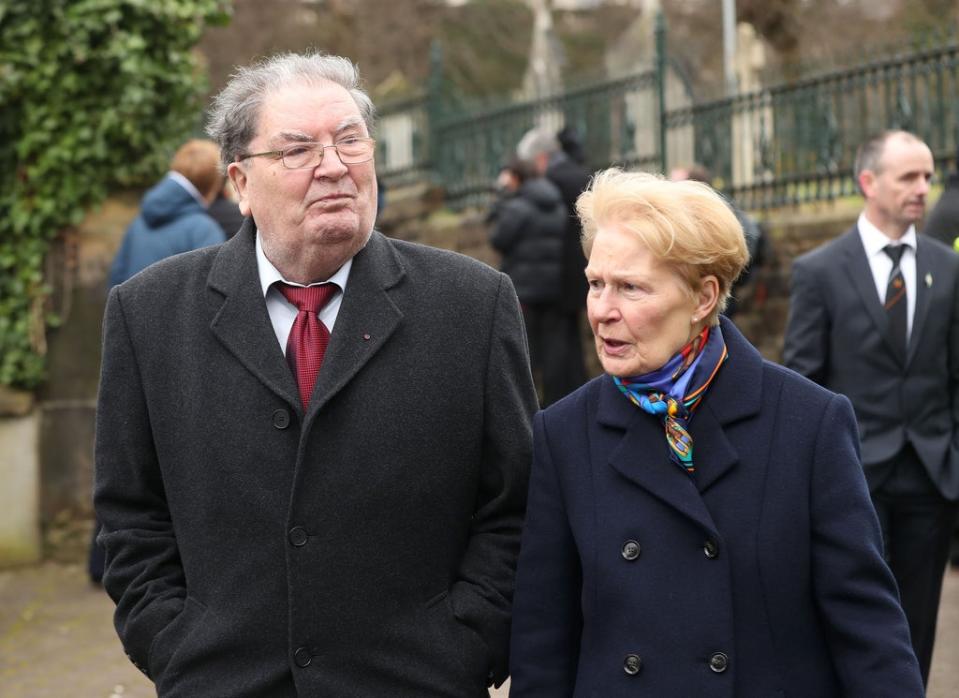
780 145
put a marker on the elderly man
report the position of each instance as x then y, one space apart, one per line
875 316
312 441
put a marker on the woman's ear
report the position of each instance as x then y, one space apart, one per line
707 296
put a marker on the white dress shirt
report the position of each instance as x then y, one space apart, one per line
874 240
282 312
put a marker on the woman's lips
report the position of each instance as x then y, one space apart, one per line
614 347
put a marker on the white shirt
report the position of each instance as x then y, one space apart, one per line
282 312
874 240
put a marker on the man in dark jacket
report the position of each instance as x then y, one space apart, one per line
529 223
542 149
943 221
225 211
173 214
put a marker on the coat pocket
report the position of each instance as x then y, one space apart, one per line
462 648
169 640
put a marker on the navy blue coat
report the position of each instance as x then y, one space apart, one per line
762 575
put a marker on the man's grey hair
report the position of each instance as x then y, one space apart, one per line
535 142
235 112
869 155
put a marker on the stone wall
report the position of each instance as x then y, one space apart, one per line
66 405
791 231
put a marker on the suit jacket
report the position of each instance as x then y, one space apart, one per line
838 335
365 547
759 576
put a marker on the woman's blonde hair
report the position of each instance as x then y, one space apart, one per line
686 224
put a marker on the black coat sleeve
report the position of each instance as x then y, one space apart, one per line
143 572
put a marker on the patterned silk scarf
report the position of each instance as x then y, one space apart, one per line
674 391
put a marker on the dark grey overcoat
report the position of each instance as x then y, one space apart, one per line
364 548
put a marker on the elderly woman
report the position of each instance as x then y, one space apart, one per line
698 522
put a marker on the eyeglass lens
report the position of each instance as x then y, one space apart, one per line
351 152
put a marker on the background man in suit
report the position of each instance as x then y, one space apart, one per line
347 524
875 315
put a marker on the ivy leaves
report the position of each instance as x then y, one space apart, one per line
94 95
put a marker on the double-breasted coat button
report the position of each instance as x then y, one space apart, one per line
711 549
298 536
302 657
718 662
281 419
632 664
631 550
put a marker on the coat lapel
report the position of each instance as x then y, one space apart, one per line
641 457
735 395
925 269
859 271
367 318
242 323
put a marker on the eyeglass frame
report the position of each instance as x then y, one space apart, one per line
281 154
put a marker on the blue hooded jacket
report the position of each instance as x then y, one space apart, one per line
171 221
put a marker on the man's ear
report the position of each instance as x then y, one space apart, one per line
867 181
237 176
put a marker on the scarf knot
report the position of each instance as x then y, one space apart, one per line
674 391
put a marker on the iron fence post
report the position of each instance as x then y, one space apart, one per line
660 32
434 111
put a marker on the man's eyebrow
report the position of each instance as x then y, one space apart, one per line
348 123
291 137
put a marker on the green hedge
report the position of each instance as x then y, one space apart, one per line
94 95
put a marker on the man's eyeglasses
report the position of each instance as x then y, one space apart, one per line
351 151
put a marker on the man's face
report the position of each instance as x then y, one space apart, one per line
896 191
310 220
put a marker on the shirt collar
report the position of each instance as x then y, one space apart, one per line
188 185
269 274
874 240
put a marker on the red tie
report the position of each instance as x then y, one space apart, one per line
308 337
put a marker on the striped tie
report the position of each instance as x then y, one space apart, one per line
895 303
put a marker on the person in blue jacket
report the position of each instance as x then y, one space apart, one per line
173 214
173 219
698 522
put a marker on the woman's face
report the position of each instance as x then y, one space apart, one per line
641 311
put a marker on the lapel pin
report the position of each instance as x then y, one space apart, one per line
928 280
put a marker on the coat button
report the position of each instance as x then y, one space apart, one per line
632 664
298 536
631 550
302 657
718 662
281 419
711 549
